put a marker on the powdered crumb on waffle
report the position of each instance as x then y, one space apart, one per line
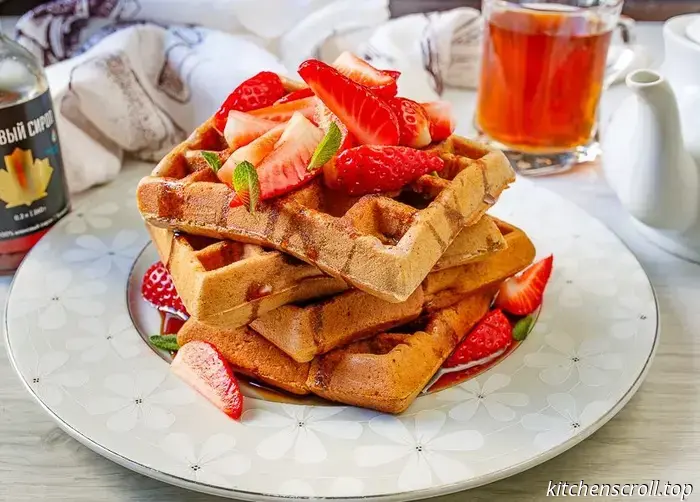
387 372
227 283
382 245
304 332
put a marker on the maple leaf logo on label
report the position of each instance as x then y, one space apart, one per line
24 179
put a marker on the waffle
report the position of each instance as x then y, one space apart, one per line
228 284
385 371
304 332
380 244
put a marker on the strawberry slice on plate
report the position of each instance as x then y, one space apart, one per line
253 152
413 122
293 96
492 336
242 128
382 83
442 119
258 91
366 116
203 367
285 167
373 169
158 289
283 112
522 294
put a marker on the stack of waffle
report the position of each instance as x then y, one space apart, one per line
357 300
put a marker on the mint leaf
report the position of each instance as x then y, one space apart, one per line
247 185
523 327
165 342
213 160
328 146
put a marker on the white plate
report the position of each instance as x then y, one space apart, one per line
73 343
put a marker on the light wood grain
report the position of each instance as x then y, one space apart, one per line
656 436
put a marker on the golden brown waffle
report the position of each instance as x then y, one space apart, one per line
227 283
388 370
380 244
304 332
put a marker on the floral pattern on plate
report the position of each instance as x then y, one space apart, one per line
70 336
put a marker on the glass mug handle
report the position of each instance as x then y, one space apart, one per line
614 71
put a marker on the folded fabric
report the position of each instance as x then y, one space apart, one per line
129 78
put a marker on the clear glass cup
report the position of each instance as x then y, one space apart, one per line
543 70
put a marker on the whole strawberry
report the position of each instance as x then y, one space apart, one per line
157 288
492 335
258 91
373 169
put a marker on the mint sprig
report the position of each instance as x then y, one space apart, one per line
213 160
523 327
165 342
247 185
328 147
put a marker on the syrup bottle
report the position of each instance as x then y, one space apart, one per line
33 192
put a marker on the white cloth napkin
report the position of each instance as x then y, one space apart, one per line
129 78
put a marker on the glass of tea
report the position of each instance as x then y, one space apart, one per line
543 70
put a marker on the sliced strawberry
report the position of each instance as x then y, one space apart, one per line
492 335
258 91
381 82
392 73
158 289
204 368
372 169
413 122
283 112
254 152
522 294
293 96
242 128
442 119
291 85
366 116
285 168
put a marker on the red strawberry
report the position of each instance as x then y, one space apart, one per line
413 122
157 288
371 169
366 116
293 96
442 119
283 112
493 334
522 294
285 168
254 152
242 128
381 82
204 368
258 91
392 73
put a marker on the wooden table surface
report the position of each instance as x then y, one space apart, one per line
656 436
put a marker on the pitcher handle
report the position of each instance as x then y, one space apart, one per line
626 25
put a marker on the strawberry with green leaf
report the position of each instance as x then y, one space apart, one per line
247 186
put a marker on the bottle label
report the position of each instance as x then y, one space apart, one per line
33 194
